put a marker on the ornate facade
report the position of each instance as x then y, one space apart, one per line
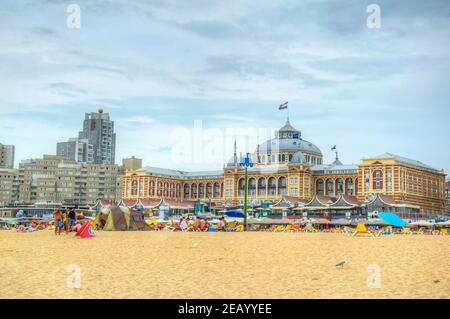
289 166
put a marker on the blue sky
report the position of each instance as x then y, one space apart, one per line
158 66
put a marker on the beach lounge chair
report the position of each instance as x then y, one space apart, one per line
444 231
231 226
295 227
279 228
288 228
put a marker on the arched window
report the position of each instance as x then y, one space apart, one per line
339 186
151 188
201 190
272 186
262 187
166 189
319 187
177 191
349 187
209 191
216 190
186 191
159 189
252 187
172 190
330 186
241 187
134 186
282 186
194 191
377 179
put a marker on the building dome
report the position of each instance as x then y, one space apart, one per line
288 139
286 143
298 158
281 145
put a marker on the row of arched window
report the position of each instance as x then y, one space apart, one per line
202 190
336 186
263 186
173 190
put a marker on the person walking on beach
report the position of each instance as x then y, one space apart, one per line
71 220
58 221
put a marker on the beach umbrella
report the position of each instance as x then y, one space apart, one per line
235 213
392 219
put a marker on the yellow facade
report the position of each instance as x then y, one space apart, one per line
288 166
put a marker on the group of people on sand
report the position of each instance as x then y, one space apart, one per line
196 224
185 225
66 220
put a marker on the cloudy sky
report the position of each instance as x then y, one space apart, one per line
163 67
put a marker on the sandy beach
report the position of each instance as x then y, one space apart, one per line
223 265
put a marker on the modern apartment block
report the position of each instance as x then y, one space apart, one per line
75 149
7 156
98 129
8 186
56 179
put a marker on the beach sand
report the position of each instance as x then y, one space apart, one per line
223 265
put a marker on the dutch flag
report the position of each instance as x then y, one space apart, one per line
283 106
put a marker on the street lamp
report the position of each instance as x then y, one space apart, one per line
246 162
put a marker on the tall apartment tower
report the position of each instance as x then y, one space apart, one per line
98 129
7 156
76 149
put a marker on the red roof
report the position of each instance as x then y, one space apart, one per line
150 203
295 200
129 202
325 200
184 204
352 200
387 199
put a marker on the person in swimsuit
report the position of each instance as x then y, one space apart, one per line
58 222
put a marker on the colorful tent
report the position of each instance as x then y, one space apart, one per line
86 230
119 219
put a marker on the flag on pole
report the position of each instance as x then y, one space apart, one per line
333 148
283 106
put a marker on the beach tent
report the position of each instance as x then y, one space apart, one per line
114 218
137 221
392 219
120 218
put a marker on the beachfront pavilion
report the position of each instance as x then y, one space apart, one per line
290 166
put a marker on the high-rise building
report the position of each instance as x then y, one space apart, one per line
98 129
75 149
132 163
55 179
8 186
7 156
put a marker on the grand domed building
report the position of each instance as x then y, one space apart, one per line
289 175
